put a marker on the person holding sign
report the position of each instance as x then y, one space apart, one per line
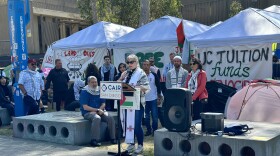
137 78
93 109
196 83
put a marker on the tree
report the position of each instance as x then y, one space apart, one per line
94 11
144 12
235 8
127 12
161 8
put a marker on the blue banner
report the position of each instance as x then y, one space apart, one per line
18 20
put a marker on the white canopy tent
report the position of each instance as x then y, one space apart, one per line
273 8
250 26
81 48
157 38
239 49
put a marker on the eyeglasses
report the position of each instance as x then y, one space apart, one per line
130 62
192 64
33 64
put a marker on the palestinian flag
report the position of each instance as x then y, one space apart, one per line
123 99
180 34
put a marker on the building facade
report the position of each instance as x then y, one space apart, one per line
211 11
50 20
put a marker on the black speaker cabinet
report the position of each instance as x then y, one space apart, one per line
212 122
177 109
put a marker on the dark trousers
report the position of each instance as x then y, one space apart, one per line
138 131
109 105
198 107
160 116
151 108
72 106
10 107
59 96
31 105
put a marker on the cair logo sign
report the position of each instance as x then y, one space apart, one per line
110 90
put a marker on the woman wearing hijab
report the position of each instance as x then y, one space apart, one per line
196 83
137 78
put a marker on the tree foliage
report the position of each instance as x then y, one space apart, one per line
235 8
127 12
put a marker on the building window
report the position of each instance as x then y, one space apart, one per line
67 27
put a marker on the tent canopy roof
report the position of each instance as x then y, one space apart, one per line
273 8
250 26
98 35
161 31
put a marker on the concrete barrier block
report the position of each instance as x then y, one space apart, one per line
5 116
264 139
60 127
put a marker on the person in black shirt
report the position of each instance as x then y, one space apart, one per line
59 77
6 96
92 70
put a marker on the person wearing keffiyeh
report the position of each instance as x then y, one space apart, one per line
93 109
196 83
108 72
137 78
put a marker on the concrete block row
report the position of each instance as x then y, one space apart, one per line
262 141
58 127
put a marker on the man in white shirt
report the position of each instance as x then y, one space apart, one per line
151 99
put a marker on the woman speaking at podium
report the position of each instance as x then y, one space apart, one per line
137 78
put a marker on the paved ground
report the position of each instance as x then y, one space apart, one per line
10 146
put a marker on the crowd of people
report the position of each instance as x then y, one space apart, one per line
84 94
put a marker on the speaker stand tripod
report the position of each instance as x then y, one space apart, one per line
125 153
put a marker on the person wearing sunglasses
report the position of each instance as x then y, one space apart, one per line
137 78
31 85
196 83
176 77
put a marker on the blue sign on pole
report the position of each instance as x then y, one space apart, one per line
18 20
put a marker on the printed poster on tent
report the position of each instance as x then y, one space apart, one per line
75 61
160 54
236 66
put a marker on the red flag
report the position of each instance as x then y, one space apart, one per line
122 99
180 34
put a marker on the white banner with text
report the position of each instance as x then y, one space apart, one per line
235 66
75 61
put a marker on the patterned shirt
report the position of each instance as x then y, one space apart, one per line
32 82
